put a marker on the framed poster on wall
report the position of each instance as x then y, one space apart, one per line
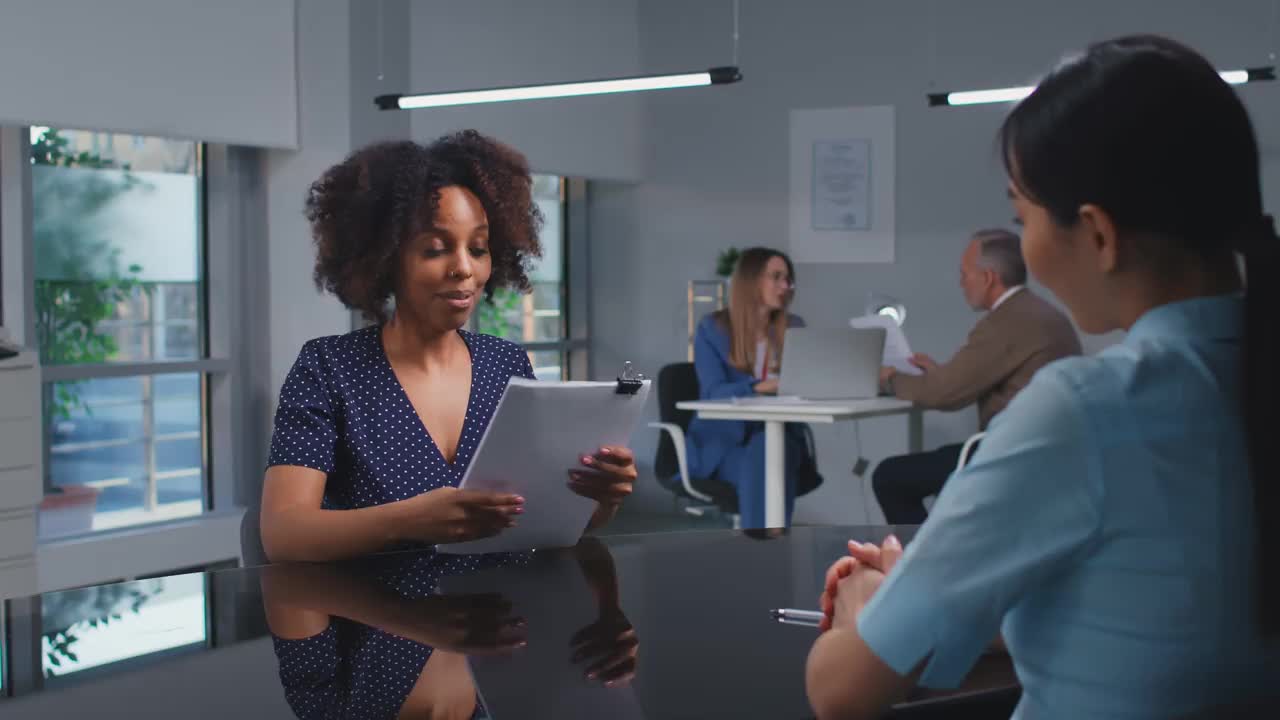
842 185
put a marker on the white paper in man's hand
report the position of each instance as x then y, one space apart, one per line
897 353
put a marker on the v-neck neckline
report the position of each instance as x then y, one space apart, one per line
404 396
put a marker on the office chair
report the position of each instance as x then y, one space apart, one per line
251 551
677 383
968 448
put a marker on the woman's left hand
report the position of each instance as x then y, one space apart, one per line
853 579
853 593
608 647
607 477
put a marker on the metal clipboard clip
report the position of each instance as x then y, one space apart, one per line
630 381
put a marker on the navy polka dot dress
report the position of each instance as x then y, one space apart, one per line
356 671
343 412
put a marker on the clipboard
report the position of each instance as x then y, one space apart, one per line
539 432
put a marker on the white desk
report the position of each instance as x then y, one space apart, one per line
776 412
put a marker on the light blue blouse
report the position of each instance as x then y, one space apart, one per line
1105 526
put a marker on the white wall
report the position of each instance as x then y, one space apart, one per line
379 41
297 312
341 53
717 171
491 43
212 71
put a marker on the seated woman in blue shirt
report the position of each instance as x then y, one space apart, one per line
1117 528
737 353
375 429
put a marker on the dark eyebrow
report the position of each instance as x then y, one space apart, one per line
441 231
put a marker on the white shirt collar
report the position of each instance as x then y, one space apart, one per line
1006 295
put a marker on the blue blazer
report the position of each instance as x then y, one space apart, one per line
708 441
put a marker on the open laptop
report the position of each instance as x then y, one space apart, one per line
832 363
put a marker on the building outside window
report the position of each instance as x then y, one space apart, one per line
540 320
118 239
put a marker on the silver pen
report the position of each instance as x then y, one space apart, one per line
790 616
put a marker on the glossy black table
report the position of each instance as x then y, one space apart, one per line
678 623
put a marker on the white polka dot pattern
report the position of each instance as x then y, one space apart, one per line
343 412
355 671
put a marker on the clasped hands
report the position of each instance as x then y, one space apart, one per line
853 580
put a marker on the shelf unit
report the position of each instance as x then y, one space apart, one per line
21 473
704 296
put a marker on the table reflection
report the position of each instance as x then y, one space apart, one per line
426 635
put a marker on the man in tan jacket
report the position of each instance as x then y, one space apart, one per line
1020 334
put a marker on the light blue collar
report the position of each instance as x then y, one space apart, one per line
1211 317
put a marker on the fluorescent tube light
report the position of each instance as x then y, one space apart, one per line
714 76
1014 94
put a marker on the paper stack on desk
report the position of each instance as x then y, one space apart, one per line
538 433
897 353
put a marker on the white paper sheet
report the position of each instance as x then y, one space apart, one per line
897 352
538 433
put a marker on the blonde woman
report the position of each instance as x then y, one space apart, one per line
737 353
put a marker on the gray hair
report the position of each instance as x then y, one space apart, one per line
1001 252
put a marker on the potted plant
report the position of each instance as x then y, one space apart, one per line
726 261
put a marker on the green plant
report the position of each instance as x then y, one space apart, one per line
726 261
68 614
71 247
496 315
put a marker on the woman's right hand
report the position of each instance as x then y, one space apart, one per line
767 387
449 515
608 648
468 624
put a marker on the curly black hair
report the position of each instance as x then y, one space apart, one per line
363 208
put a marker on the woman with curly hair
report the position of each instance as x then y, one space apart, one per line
375 429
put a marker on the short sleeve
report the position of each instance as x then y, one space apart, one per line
308 673
524 368
1028 505
305 432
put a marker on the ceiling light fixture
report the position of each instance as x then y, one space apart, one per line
1014 94
724 75
713 76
